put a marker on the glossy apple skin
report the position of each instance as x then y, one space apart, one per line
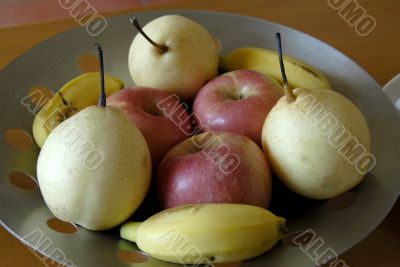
193 173
237 101
159 126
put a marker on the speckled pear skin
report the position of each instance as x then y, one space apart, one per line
304 155
191 60
94 169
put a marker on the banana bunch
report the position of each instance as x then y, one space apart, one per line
266 61
207 233
74 96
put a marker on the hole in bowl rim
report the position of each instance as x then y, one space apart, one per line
18 174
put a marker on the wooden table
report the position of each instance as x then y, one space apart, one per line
378 53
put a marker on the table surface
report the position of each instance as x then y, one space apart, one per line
378 53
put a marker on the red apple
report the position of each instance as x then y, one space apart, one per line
237 101
222 167
162 119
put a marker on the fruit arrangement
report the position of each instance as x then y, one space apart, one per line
197 142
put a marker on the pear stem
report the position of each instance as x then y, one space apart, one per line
102 98
290 96
135 22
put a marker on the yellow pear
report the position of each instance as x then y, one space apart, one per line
94 168
173 53
317 141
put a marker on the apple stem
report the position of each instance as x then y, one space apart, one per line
290 96
135 22
102 98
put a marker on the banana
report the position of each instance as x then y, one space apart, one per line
207 233
74 96
299 73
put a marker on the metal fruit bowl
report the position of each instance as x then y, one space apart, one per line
54 62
